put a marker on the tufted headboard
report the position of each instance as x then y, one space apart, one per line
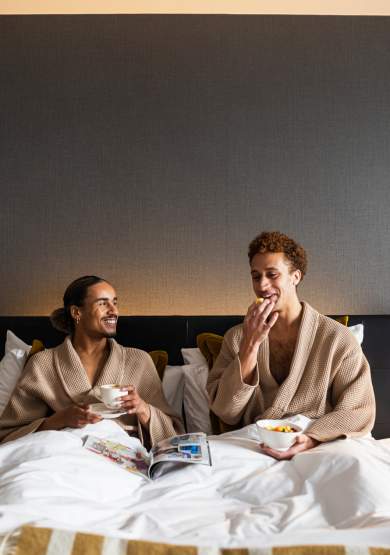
171 333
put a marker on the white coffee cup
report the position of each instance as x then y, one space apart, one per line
110 394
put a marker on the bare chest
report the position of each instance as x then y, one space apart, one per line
93 365
280 358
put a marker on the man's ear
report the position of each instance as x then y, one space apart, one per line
297 276
75 312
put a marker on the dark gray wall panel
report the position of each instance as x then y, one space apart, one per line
151 149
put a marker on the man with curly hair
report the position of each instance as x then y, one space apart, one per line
288 359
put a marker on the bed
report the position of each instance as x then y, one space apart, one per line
57 498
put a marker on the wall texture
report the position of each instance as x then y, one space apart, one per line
151 149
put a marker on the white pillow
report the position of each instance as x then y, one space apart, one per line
358 332
173 387
11 366
196 401
193 356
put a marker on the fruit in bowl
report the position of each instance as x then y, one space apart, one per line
278 434
287 428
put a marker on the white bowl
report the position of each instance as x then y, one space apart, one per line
277 440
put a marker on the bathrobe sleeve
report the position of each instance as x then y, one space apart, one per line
231 399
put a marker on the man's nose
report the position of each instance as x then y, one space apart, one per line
112 307
264 282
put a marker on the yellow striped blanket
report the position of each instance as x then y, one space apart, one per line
47 541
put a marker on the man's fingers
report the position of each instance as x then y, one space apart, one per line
271 452
130 403
256 309
282 455
274 316
302 443
128 399
303 438
267 310
263 307
128 388
251 308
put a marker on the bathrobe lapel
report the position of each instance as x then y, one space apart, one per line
74 377
288 388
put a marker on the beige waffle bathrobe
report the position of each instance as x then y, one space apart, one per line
54 379
329 381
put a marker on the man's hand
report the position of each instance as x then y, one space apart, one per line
256 327
133 404
302 443
75 416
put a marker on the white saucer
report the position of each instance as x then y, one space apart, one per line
105 412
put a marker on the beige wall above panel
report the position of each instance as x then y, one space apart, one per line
324 7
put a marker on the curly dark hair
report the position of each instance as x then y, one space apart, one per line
274 241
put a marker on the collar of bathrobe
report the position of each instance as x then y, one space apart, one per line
74 377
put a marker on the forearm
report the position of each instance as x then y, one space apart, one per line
53 422
248 360
256 327
144 416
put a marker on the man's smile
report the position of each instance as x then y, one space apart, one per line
110 320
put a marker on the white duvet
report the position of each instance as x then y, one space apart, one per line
336 493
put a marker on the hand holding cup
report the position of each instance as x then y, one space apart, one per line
132 403
111 395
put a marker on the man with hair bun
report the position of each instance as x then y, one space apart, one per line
58 385
288 359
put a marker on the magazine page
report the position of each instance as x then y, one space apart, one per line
132 459
185 448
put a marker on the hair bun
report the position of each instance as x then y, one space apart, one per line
59 320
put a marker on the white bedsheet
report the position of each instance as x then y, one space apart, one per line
336 493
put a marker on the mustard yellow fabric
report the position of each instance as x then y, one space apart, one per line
160 359
36 347
209 345
35 541
342 319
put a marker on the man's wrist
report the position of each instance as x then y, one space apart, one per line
50 423
314 442
144 415
249 347
248 365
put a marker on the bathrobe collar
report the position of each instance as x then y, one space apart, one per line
74 377
287 389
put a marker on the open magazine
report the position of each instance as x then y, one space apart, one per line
166 455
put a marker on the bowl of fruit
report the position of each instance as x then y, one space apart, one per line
278 434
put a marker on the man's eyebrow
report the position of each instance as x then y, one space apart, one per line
105 299
266 269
